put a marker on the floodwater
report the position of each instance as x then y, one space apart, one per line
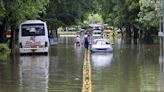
130 68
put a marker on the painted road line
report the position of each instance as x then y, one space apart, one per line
87 84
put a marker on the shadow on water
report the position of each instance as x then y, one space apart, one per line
34 54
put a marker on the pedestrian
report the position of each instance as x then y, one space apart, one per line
77 40
86 43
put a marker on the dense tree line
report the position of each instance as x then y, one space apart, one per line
131 14
67 12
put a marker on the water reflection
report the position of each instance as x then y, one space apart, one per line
77 50
161 61
65 71
131 68
101 59
34 73
9 74
134 69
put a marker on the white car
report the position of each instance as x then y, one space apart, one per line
101 45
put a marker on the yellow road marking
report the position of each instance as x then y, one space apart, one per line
87 84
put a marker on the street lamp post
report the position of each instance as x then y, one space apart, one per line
160 8
160 33
160 4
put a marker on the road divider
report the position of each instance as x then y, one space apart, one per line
87 84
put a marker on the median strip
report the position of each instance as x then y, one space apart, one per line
87 84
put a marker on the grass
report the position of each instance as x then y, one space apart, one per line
68 33
4 48
4 52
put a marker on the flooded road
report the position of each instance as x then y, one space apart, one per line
130 68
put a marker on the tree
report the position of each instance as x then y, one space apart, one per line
148 19
14 12
67 12
148 16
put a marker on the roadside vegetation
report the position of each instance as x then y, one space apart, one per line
3 48
4 52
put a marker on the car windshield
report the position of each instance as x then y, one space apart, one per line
33 30
100 42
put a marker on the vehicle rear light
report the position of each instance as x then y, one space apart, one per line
46 44
20 45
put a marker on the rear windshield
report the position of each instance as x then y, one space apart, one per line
33 30
96 32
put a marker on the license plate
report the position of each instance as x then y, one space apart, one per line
33 46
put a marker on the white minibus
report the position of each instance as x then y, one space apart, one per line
33 37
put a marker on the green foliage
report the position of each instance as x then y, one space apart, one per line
4 52
16 11
1 8
148 16
138 13
94 18
4 48
68 12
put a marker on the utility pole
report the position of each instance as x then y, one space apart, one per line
160 4
160 33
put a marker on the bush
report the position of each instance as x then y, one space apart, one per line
4 52
3 48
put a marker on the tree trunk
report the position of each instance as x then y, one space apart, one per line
12 38
135 35
148 38
2 34
56 31
128 35
128 32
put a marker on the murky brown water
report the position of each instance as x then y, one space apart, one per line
131 68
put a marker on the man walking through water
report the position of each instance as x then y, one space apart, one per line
86 42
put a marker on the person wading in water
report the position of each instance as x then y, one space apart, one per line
86 42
